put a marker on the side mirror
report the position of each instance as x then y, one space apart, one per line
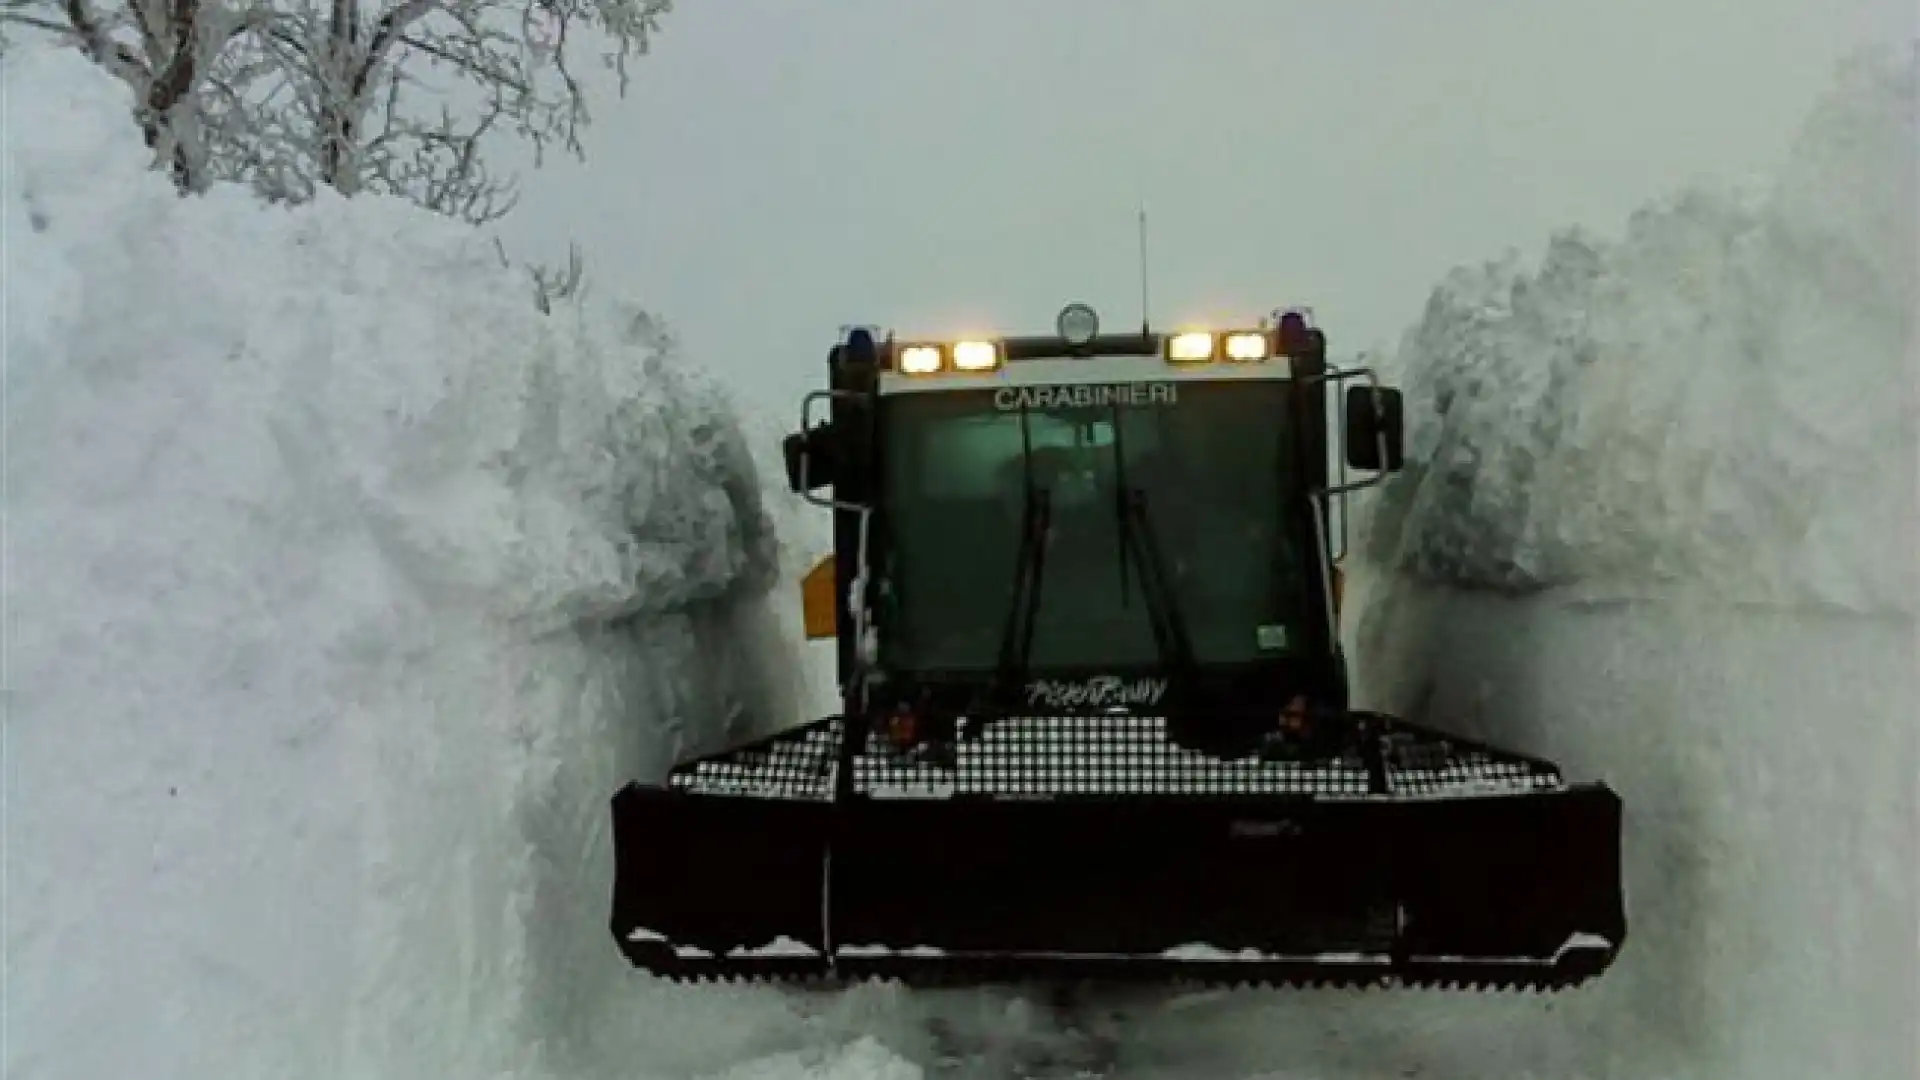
1375 415
810 458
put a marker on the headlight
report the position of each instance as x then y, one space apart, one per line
1192 347
1247 345
975 355
920 359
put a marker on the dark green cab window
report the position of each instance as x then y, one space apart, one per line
1213 461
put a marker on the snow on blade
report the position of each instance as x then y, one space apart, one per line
870 951
780 946
342 590
1203 952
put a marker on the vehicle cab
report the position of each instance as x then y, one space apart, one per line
1086 521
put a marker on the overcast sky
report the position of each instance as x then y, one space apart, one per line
780 168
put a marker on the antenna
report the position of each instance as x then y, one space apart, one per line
1146 321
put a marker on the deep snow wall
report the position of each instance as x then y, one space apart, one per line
1659 524
341 591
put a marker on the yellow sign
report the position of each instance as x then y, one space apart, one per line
817 601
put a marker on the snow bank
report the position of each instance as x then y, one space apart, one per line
1718 403
342 589
1659 524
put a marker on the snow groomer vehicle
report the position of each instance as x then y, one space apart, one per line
1095 719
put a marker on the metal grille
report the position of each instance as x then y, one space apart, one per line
797 764
1420 767
1089 755
1045 756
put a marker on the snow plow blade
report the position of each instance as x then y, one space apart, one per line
1428 862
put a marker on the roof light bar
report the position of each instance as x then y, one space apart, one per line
1249 346
921 359
1191 347
976 355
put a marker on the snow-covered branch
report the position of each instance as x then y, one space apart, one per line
163 50
398 97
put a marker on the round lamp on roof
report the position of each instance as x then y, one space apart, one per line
1078 324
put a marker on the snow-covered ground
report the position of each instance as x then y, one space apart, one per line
342 589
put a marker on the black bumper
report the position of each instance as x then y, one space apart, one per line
1507 880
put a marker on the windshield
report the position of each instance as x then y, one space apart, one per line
1211 461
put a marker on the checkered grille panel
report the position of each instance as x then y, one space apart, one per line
1048 756
796 764
1425 767
1088 755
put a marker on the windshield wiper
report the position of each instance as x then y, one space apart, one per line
1138 545
1016 639
1163 611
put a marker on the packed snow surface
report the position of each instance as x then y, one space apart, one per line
342 589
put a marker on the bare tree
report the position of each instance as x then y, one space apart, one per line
294 95
354 103
165 51
551 284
